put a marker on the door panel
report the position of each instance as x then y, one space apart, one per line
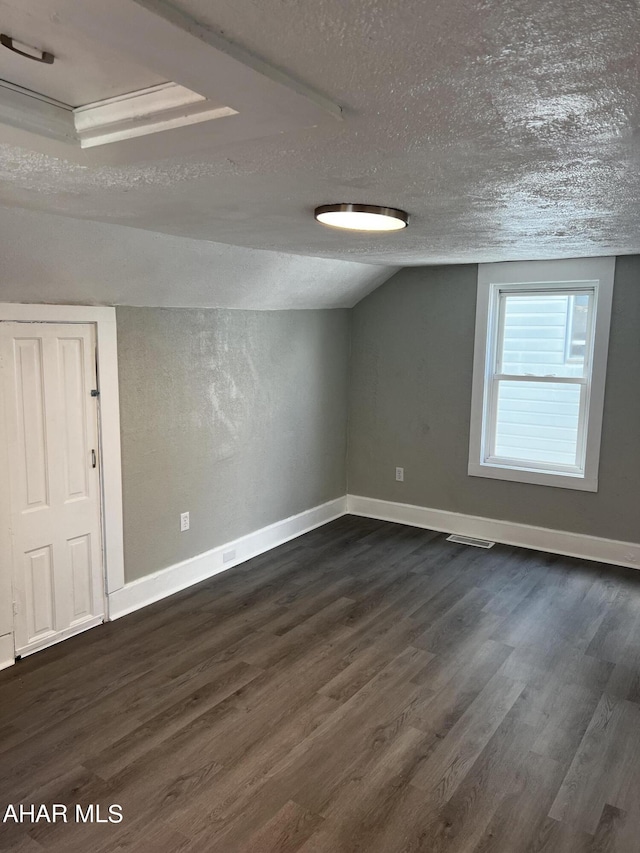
70 353
52 429
32 489
80 560
39 585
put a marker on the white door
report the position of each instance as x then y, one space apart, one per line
48 373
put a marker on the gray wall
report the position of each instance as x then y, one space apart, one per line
411 372
238 417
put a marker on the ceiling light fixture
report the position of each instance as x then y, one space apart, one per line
362 217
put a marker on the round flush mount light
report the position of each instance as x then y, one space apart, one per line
362 217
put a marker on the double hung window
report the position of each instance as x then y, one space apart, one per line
539 371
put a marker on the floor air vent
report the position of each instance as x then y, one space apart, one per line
469 540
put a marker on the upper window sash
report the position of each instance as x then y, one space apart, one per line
495 344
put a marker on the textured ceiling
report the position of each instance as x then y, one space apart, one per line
60 260
507 128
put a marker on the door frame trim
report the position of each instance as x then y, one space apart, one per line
110 457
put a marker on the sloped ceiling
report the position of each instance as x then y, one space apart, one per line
48 258
507 128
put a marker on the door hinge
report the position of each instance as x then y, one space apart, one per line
95 392
15 608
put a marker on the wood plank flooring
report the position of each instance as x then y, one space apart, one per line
366 688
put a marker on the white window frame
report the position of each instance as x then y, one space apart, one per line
595 274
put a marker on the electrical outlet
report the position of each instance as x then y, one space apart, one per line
400 475
184 521
227 556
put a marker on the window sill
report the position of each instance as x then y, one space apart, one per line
537 478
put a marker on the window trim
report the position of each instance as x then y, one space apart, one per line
597 273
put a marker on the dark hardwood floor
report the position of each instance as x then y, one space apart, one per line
367 687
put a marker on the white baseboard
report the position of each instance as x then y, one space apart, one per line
139 593
7 656
166 582
508 532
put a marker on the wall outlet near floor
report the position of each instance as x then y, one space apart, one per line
227 556
400 475
184 521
